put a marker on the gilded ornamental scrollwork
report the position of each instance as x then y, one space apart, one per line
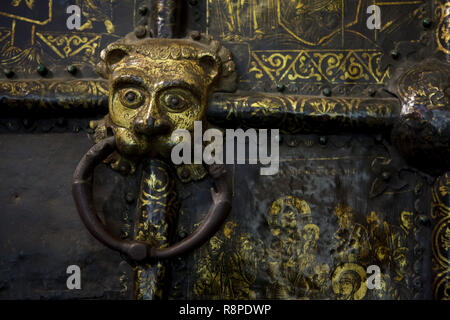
440 213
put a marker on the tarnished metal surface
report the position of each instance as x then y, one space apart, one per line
293 114
138 250
157 86
40 231
47 41
369 187
311 231
50 98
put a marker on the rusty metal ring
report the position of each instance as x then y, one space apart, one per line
138 250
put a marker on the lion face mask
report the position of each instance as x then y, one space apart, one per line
161 85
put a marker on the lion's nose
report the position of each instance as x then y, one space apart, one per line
150 126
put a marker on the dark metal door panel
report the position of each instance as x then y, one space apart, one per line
41 234
363 180
321 221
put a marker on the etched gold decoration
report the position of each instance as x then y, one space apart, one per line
72 44
288 265
334 67
227 265
349 282
158 207
72 94
440 213
51 43
424 87
160 85
309 22
443 27
96 11
39 19
303 41
292 113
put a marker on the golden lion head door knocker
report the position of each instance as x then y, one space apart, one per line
156 86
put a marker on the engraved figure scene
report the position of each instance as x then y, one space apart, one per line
33 33
295 262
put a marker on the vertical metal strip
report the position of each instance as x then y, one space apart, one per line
157 211
440 213
164 20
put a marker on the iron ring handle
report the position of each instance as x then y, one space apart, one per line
138 250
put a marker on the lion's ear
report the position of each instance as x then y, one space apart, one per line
110 56
115 55
210 66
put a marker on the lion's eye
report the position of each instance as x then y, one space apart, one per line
173 101
177 100
131 98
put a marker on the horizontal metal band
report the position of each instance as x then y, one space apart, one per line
51 97
296 113
290 113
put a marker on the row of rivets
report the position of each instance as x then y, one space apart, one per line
41 69
327 92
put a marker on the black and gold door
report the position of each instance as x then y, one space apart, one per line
352 202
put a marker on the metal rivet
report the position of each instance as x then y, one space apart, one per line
379 138
27 123
424 220
46 127
323 140
418 251
124 168
292 142
326 92
417 283
386 175
395 54
13 126
8 73
281 87
129 197
182 234
72 69
140 31
427 22
372 92
143 10
195 35
185 173
418 189
61 122
42 70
